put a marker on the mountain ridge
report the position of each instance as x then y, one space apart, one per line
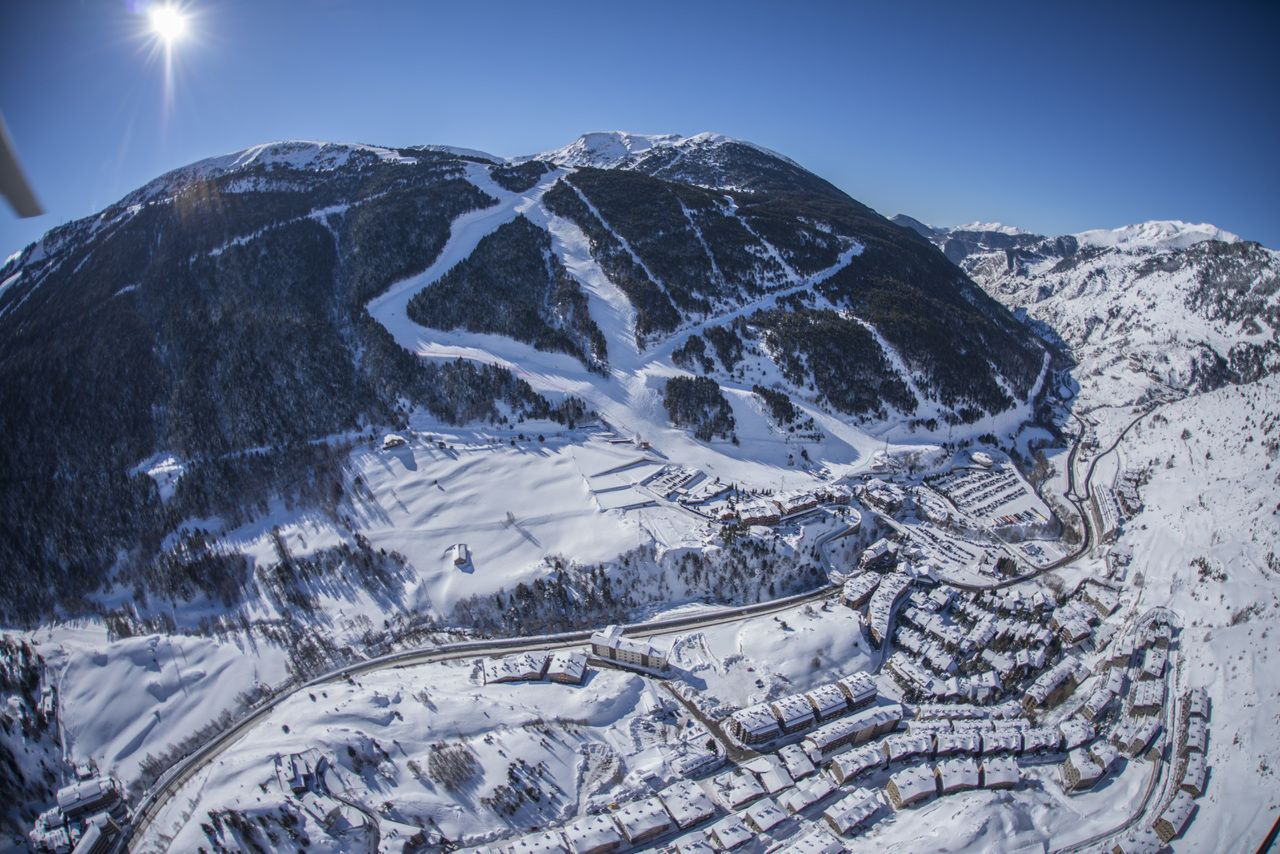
249 317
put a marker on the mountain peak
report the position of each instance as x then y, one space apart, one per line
997 227
610 149
1156 234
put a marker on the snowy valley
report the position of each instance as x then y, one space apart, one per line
933 539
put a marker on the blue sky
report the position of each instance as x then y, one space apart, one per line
1056 118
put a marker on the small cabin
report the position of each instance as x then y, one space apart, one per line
393 440
461 554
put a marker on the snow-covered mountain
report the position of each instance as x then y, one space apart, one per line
1153 304
1161 234
275 298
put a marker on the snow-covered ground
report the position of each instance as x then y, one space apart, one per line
1216 495
605 741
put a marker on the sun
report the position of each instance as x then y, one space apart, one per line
167 23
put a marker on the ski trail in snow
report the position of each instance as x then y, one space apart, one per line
895 359
607 304
769 300
618 237
391 307
769 247
715 268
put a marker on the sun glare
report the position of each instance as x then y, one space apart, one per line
167 23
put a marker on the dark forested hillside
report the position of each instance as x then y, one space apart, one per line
158 326
218 314
529 296
698 404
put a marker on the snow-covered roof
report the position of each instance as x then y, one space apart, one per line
1140 840
849 765
853 726
1075 732
817 841
958 773
687 803
793 710
1197 702
861 586
1104 753
567 664
84 792
904 746
764 814
852 810
611 637
730 832
694 843
958 742
1197 736
735 788
1000 770
592 832
758 719
1148 694
795 761
914 782
546 842
521 665
1001 741
771 773
828 700
1085 767
806 794
1196 771
1178 813
642 819
1038 739
859 686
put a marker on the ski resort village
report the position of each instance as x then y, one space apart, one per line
950 653
633 510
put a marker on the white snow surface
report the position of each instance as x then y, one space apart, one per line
997 227
125 699
302 155
1160 234
609 149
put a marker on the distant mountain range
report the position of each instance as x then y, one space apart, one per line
1166 302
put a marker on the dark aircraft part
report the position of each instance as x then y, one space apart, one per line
13 183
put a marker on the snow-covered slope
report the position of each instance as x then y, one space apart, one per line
614 149
1155 234
1156 304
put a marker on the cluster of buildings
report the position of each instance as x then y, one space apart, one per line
882 495
610 645
880 606
795 713
1107 516
565 666
300 772
772 509
1126 490
733 808
1129 693
1190 771
89 814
